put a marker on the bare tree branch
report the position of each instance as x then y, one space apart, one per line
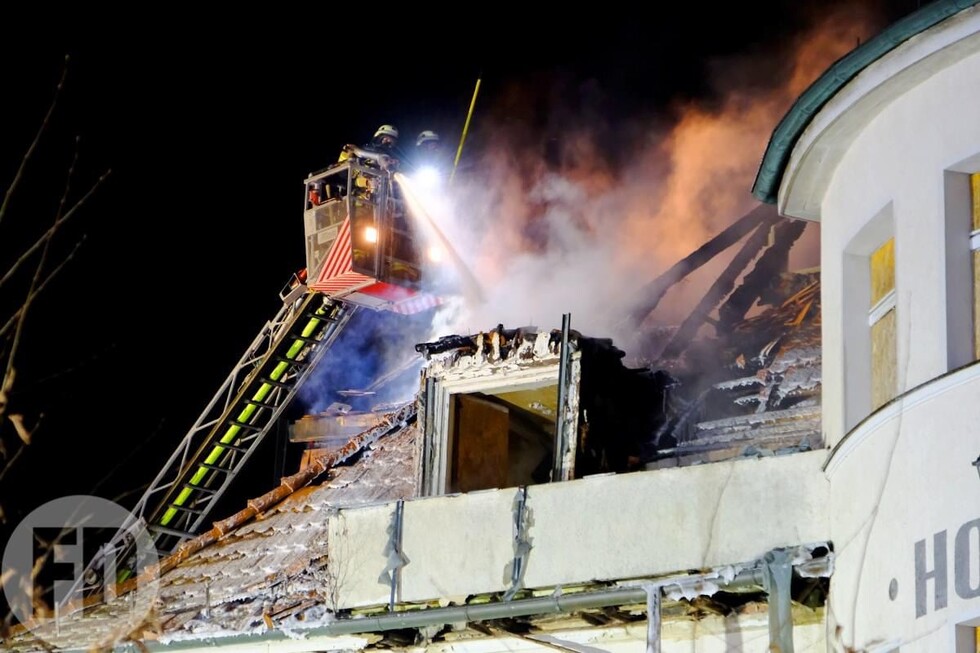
36 279
14 331
37 137
13 318
50 232
10 463
23 432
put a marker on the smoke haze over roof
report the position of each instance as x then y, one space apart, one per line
570 212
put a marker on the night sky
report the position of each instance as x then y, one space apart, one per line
209 128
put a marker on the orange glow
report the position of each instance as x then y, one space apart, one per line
573 222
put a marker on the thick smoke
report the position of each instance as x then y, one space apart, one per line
372 364
567 209
576 218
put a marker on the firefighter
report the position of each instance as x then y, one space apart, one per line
381 151
317 194
427 148
429 165
385 140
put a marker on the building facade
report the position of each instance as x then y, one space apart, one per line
470 521
888 164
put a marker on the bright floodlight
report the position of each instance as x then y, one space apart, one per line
427 177
436 254
371 235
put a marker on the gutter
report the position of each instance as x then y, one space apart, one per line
813 99
557 603
554 604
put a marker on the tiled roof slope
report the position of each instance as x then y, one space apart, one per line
271 568
268 572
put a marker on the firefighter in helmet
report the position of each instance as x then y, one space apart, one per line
428 162
385 140
380 152
427 147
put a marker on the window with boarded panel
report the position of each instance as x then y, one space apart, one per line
975 246
480 458
884 356
502 440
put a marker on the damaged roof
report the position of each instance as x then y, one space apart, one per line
751 389
268 572
265 567
763 396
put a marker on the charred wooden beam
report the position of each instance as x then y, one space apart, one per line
721 287
655 290
596 618
769 265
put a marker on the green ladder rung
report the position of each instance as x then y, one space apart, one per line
243 425
227 445
194 511
163 530
277 384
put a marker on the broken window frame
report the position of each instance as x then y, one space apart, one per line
438 416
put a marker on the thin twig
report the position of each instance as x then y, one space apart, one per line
35 280
10 463
40 288
72 369
37 138
50 232
94 490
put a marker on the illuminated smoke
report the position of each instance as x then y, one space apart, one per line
577 217
374 355
555 222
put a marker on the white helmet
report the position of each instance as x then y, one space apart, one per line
386 130
426 137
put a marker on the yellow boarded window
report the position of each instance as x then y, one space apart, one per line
882 271
884 363
975 195
975 202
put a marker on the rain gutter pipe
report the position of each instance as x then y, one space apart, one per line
552 604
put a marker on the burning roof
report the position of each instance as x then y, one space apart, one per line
751 389
761 395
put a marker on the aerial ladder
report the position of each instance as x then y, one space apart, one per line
360 253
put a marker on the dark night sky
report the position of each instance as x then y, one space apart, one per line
210 128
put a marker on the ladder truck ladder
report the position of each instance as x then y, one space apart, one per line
231 427
238 417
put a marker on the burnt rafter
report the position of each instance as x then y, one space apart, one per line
756 283
656 289
719 289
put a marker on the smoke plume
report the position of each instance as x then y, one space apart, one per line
566 216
